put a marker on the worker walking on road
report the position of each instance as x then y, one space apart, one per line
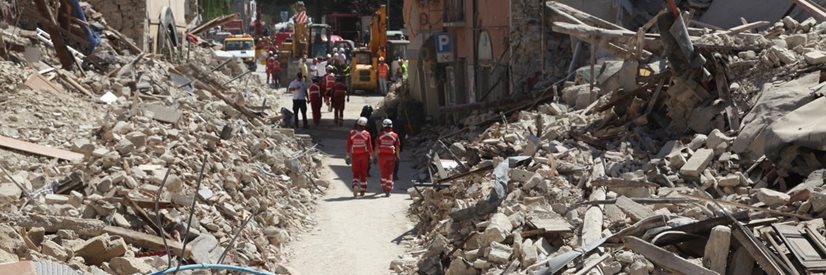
315 103
382 75
273 67
329 82
339 96
358 150
388 153
299 90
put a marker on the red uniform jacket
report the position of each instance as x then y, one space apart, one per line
388 142
359 142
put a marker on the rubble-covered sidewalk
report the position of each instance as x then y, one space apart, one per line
694 151
137 162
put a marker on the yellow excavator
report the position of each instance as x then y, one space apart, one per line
365 61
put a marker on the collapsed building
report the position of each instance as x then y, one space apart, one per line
114 160
691 148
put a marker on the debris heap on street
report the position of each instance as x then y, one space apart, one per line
136 162
694 151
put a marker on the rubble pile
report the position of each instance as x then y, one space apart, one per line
662 161
151 148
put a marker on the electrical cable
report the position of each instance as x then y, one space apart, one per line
243 269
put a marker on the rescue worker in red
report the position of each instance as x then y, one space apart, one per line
273 67
315 103
339 97
388 153
327 87
358 150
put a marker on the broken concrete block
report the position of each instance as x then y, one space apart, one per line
789 23
57 199
137 138
698 141
715 138
771 197
11 241
677 161
276 235
98 250
747 54
459 266
697 163
528 253
794 40
717 249
784 55
497 230
162 113
123 265
640 266
9 193
633 209
55 250
815 57
83 146
521 175
499 253
728 181
125 147
818 201
206 249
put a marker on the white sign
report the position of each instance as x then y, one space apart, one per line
444 47
485 47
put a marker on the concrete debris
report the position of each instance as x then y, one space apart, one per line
617 164
91 206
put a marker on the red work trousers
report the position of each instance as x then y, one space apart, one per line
315 106
338 109
387 163
359 165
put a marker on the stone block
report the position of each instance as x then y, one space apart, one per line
717 249
771 197
815 57
55 250
499 253
697 163
497 230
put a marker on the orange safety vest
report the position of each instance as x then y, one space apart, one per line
329 81
383 70
388 140
314 90
359 142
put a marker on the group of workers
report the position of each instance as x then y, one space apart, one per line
325 90
365 145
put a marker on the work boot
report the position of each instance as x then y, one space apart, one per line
386 194
362 193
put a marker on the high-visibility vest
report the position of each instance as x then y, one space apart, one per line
387 142
329 81
383 70
359 142
314 90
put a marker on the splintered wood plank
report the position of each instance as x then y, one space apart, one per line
37 149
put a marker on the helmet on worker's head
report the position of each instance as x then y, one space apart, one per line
387 123
271 53
362 121
329 56
330 67
381 59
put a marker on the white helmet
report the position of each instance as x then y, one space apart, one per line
329 55
387 123
362 121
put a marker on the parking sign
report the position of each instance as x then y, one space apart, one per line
444 47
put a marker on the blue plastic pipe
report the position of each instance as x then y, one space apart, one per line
213 266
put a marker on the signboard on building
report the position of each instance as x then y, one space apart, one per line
444 47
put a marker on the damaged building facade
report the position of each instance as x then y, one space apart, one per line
152 24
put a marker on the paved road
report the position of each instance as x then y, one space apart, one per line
353 236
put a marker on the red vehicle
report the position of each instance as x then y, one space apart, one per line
234 27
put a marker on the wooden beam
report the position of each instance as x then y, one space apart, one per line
213 23
665 258
815 9
49 22
39 149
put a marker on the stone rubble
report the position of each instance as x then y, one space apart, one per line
591 165
135 151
